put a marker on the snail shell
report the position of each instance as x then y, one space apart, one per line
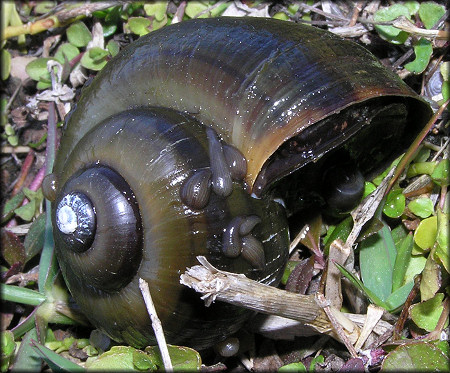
181 129
123 214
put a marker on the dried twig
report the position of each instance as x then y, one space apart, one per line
239 290
373 315
366 210
156 324
336 325
61 18
405 24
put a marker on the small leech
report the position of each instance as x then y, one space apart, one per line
237 240
227 164
227 348
236 162
50 187
222 184
196 190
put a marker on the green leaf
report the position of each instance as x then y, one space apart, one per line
37 69
317 360
27 358
441 173
121 358
430 13
139 25
291 264
34 240
423 51
109 29
11 205
78 34
284 17
8 348
156 9
21 295
293 367
446 90
112 19
113 47
422 155
443 228
422 207
12 248
358 284
425 234
56 362
48 266
413 6
395 204
193 8
67 52
368 188
417 357
94 59
415 266
390 33
404 249
5 64
341 231
10 17
395 300
431 279
398 234
43 7
26 212
43 85
376 259
183 358
419 168
97 54
426 314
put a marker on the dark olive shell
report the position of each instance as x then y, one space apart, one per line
283 96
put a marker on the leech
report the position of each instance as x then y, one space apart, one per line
236 162
248 223
222 184
196 190
231 240
50 186
237 240
253 251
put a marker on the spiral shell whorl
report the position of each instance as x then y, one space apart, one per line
172 148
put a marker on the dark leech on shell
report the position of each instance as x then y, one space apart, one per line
227 164
231 239
222 184
253 251
236 162
237 240
228 347
196 190
49 187
248 224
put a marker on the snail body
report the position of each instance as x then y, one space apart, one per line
183 129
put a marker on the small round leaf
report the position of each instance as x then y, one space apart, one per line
78 34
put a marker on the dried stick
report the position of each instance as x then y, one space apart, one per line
156 324
239 290
61 18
